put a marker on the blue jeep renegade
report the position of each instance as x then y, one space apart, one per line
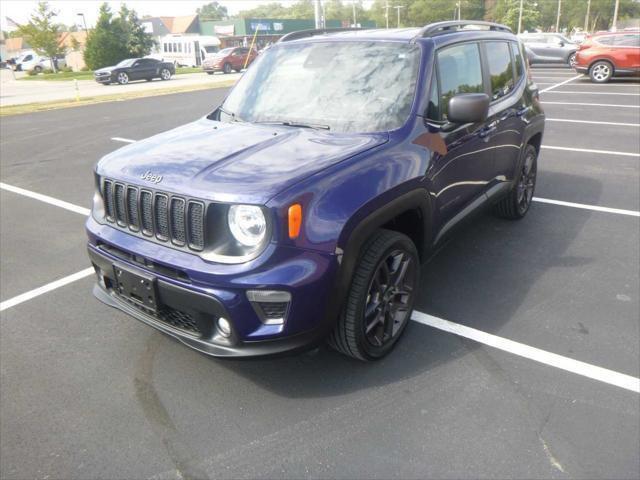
300 209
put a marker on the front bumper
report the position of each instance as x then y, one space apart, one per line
213 291
580 69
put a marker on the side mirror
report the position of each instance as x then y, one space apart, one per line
561 43
468 108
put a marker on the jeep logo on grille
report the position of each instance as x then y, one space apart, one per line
151 177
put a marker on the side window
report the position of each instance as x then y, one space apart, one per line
627 40
433 109
517 57
500 69
460 72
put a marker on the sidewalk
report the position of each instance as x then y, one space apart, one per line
15 92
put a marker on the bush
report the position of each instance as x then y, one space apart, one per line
66 69
47 70
32 73
85 69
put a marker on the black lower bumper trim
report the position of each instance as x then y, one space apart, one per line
207 309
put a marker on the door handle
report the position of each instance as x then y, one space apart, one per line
484 132
522 111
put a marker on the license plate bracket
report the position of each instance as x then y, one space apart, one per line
136 286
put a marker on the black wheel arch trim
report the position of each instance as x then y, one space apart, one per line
348 255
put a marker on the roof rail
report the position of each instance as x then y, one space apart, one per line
316 31
440 28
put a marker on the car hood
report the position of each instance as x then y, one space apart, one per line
105 70
232 162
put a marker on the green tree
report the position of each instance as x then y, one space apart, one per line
115 38
212 11
42 33
508 12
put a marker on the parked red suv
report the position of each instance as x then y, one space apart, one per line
229 59
608 55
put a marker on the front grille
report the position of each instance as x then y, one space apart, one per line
155 214
171 316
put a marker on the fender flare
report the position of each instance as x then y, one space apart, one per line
362 227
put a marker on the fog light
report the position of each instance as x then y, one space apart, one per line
224 327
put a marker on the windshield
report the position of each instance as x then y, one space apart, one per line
345 86
127 62
210 48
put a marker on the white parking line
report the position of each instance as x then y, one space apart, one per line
588 150
592 122
589 104
561 83
36 292
593 93
600 85
125 140
584 206
532 353
45 199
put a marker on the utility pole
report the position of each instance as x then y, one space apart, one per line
586 17
316 12
355 20
558 17
398 7
614 27
386 13
520 17
84 21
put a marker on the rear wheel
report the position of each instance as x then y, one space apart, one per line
37 69
380 299
165 74
209 73
601 72
516 204
572 59
226 68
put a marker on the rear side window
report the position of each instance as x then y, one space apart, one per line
517 58
500 69
627 40
608 40
459 71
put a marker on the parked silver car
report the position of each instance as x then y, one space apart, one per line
549 48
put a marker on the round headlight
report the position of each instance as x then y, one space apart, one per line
247 224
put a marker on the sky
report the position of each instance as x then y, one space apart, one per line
20 10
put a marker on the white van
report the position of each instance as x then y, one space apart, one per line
188 50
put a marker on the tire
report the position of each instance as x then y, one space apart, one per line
209 73
149 79
390 257
226 68
572 59
165 74
37 69
123 78
516 204
601 71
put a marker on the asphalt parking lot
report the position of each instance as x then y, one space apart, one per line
551 392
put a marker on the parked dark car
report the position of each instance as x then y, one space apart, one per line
549 48
302 207
229 59
135 69
609 55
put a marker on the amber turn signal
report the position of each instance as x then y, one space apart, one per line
295 220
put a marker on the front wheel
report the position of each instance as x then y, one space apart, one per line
37 69
380 299
227 68
123 78
165 74
516 204
601 72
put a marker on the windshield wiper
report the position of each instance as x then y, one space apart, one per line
233 116
315 126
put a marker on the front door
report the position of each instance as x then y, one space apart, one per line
462 168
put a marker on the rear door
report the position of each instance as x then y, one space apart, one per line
460 173
506 76
627 51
